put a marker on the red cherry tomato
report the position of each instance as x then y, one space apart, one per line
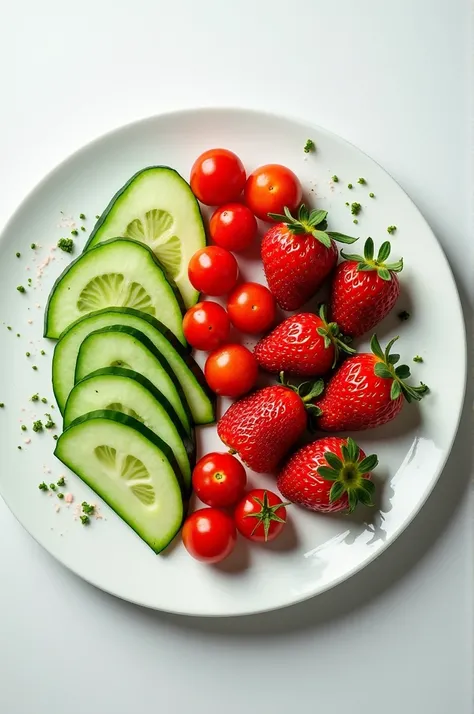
260 515
206 325
219 479
213 270
209 535
231 370
233 226
251 308
270 188
217 177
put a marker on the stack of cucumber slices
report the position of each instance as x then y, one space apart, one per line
128 389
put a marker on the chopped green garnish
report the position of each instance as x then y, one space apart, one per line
43 486
362 181
403 315
355 220
19 447
2 405
55 437
21 289
82 217
85 520
38 425
44 400
371 195
347 203
23 427
50 423
66 244
417 359
88 508
97 217
34 367
9 327
29 281
60 495
355 209
335 178
82 228
27 354
18 334
74 232
34 398
309 146
52 486
349 185
33 246
18 255
391 229
42 352
61 481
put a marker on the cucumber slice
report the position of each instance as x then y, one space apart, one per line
122 273
200 399
128 392
156 206
122 346
131 468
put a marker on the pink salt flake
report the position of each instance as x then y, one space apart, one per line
27 441
69 498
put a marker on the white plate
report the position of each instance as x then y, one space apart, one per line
317 552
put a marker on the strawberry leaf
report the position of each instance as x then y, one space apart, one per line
403 371
317 217
375 347
322 237
369 249
384 274
368 464
364 497
337 490
327 473
395 390
381 370
384 252
341 237
352 496
333 460
353 449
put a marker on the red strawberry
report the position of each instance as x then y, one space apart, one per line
366 391
364 289
305 345
298 254
329 475
262 427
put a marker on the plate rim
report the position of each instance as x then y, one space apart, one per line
304 123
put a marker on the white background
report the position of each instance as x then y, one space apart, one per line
393 78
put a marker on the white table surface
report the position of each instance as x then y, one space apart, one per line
393 78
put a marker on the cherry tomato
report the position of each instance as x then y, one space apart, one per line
217 177
270 188
213 270
260 515
219 479
231 370
251 308
206 325
209 535
233 226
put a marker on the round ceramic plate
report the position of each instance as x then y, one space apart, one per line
316 552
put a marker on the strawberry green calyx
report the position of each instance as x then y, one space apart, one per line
313 223
368 262
348 475
332 335
307 391
385 368
267 514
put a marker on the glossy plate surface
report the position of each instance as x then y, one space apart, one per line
317 552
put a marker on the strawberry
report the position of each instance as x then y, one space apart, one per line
305 345
263 426
329 475
366 391
364 289
298 254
